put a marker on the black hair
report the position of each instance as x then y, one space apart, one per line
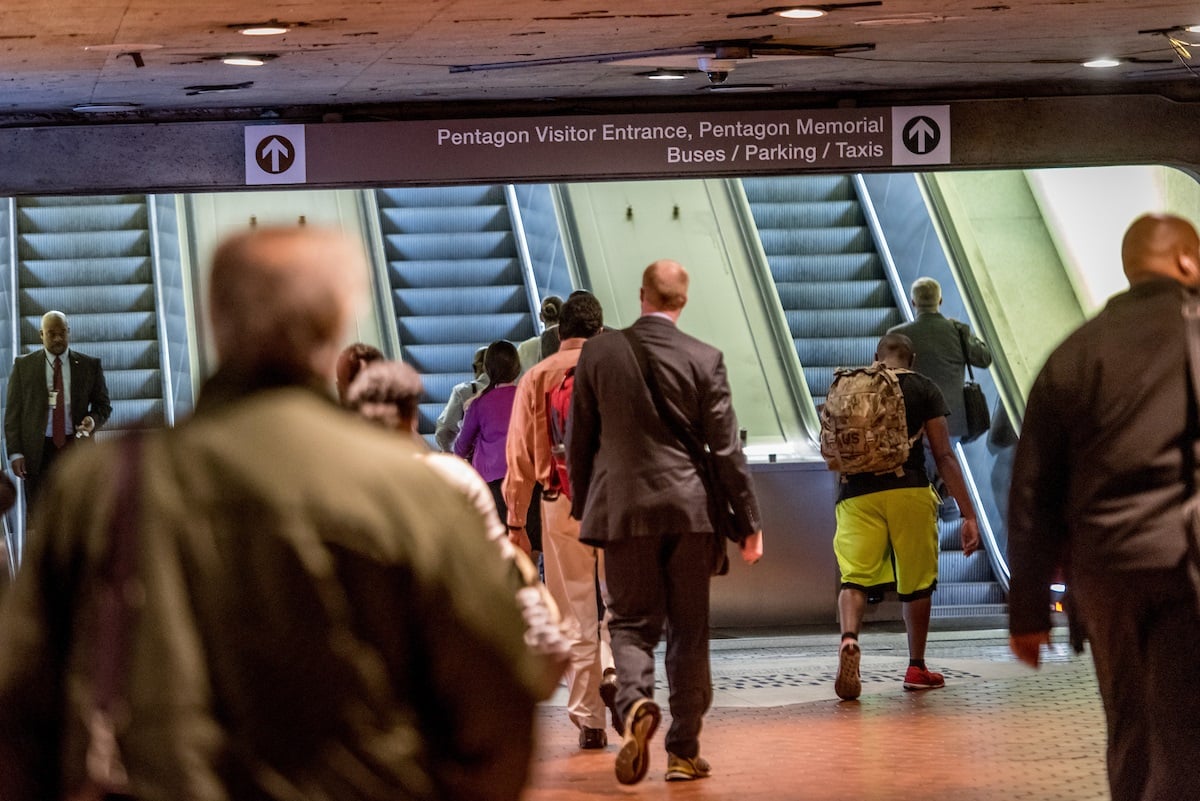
501 363
582 316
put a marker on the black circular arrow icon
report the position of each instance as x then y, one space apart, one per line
921 135
275 154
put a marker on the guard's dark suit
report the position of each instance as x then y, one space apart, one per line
25 413
637 492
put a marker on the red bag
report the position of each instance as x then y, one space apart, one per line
558 410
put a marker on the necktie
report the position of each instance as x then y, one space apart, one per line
59 422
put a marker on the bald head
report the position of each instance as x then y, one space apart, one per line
664 287
283 297
1161 246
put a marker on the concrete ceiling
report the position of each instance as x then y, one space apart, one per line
372 57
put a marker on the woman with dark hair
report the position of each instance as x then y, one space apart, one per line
485 426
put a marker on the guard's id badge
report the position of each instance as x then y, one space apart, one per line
53 399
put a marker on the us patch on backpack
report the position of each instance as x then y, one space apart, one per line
863 424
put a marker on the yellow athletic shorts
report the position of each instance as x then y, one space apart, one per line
873 528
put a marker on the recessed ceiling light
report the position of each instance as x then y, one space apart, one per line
901 19
1102 63
245 60
264 30
666 75
1192 29
800 13
96 108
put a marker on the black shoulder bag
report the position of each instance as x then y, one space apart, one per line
975 405
724 522
106 777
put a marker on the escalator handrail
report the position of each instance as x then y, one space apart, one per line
380 290
517 223
164 351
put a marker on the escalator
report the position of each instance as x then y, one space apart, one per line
456 280
91 258
838 302
829 277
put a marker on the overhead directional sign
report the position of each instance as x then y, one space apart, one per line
275 154
921 135
601 146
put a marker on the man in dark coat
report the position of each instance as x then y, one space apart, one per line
315 605
640 496
1106 461
33 445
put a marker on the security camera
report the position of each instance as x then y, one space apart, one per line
717 69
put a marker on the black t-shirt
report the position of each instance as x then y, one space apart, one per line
922 401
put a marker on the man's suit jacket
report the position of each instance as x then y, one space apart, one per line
630 475
28 402
939 356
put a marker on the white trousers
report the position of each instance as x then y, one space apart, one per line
571 569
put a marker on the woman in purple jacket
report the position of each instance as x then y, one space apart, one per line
485 425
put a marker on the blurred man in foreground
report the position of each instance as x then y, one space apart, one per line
313 605
1105 467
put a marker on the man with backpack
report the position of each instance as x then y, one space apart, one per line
572 569
871 425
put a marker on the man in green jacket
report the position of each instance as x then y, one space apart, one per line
314 609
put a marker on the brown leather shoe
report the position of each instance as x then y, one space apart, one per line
592 739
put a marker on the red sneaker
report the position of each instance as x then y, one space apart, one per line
921 679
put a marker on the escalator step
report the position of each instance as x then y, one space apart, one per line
90 299
472 329
86 272
101 244
463 245
481 300
954 567
41 201
807 214
836 352
842 322
438 358
826 267
971 593
800 188
445 220
470 195
833 294
844 239
83 219
135 412
130 384
441 273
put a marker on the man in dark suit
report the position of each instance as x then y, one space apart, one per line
640 496
53 381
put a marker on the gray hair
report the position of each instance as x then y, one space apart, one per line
926 294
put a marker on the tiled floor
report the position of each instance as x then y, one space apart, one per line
777 732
